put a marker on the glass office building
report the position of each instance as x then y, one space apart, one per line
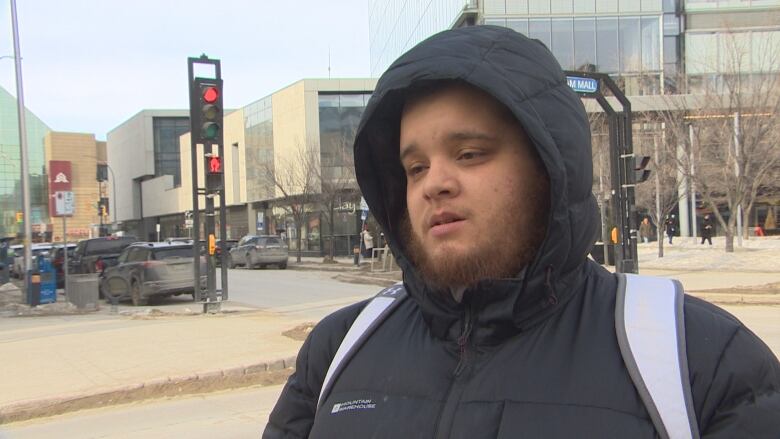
339 116
395 27
649 46
259 152
11 165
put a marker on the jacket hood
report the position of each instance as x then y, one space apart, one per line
523 75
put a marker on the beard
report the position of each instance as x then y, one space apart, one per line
501 251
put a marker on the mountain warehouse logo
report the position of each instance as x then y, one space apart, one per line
357 404
61 178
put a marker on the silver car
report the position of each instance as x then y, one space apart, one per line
258 251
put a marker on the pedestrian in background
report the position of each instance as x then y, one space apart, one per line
645 230
671 227
368 242
706 230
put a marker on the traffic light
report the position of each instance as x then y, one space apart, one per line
207 114
102 172
19 217
104 204
214 172
640 173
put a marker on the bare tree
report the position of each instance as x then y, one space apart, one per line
295 176
730 128
338 182
659 195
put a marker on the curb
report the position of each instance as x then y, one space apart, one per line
737 298
268 373
323 267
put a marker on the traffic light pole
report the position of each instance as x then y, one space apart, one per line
211 278
195 189
622 163
223 268
206 121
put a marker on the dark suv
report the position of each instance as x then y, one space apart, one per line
146 269
93 255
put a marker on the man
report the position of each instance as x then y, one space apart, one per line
707 229
671 227
645 230
474 156
368 242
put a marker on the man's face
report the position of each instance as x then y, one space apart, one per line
477 195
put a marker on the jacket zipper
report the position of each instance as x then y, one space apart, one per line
456 387
463 342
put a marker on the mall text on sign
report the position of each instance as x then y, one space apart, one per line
583 85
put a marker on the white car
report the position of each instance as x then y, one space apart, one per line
37 249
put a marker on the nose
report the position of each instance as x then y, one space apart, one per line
441 181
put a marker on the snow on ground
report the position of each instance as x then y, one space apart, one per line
756 255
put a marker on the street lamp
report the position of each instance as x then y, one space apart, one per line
22 146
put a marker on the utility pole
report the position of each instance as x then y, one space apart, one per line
23 147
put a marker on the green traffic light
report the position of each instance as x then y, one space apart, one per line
210 130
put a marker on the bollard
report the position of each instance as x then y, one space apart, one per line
114 302
356 254
33 287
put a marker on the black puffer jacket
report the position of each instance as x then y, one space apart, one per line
535 356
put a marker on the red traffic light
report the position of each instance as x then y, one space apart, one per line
215 165
210 94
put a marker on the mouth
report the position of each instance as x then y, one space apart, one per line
443 218
445 224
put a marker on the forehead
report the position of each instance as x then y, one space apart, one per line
455 96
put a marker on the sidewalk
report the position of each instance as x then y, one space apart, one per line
57 364
66 363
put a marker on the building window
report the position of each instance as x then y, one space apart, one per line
339 118
166 132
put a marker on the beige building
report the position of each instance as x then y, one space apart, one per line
84 154
319 116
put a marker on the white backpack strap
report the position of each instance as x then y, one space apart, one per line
651 334
366 322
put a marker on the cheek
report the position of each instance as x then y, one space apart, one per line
414 206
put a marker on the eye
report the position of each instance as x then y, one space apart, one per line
415 169
470 155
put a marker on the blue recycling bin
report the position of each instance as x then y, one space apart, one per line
5 263
48 281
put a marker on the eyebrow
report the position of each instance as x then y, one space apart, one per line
457 135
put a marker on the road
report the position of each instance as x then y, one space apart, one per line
311 294
293 290
241 413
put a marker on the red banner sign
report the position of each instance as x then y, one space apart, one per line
59 180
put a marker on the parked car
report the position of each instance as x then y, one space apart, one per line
258 251
41 249
146 269
93 255
14 252
229 244
57 257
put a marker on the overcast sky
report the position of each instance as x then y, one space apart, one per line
89 65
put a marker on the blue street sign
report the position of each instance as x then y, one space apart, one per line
583 85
